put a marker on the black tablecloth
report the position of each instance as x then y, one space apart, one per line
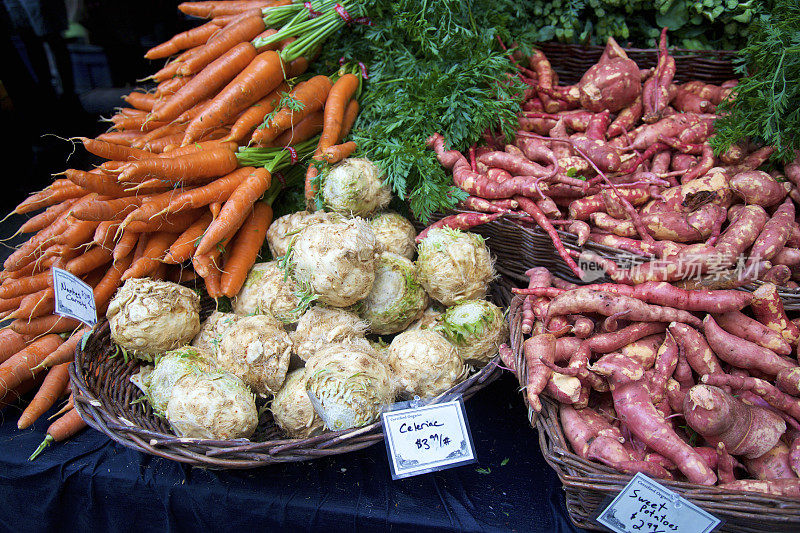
93 483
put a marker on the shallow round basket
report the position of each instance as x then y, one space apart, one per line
108 401
590 486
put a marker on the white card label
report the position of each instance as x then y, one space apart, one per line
427 438
73 297
647 506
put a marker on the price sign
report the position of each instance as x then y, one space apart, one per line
426 438
73 297
647 506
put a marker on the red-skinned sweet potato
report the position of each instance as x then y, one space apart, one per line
741 325
720 417
635 410
535 349
610 85
698 353
768 309
772 465
741 353
758 188
787 488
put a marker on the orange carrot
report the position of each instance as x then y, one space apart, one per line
334 154
164 131
97 181
215 208
35 304
114 152
182 41
66 352
311 94
262 76
206 266
123 138
244 249
11 342
79 232
199 147
338 98
50 197
26 285
30 249
184 246
140 246
170 70
141 101
206 83
218 190
182 169
312 172
135 124
88 261
109 283
63 428
302 131
46 217
254 116
235 209
157 245
157 145
125 244
175 223
169 87
19 367
13 396
99 210
68 405
52 388
237 33
350 115
218 9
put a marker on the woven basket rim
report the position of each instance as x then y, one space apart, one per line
580 475
240 453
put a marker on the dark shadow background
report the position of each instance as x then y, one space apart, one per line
66 63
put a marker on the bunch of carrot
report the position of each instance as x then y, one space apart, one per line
622 159
177 198
701 385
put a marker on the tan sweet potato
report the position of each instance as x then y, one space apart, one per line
720 417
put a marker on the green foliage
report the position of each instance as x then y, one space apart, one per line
433 67
701 24
766 107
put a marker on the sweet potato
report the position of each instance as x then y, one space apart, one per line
535 349
739 324
611 453
742 353
582 208
665 363
687 102
577 432
771 394
644 350
778 275
610 85
740 235
720 417
589 301
768 309
567 390
772 465
635 410
658 90
626 119
787 256
758 188
775 232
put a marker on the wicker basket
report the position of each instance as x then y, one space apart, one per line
570 61
590 486
108 401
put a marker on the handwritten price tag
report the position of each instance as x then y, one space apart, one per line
74 298
426 438
647 506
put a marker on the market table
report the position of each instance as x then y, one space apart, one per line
93 483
